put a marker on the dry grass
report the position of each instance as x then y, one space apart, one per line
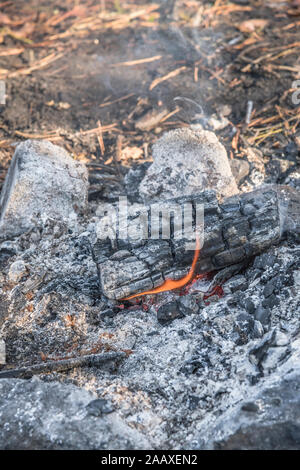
47 36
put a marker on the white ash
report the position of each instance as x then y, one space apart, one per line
179 374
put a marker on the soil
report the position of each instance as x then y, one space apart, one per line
227 54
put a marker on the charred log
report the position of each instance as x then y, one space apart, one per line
235 230
92 360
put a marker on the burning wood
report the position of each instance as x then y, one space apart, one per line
171 284
235 230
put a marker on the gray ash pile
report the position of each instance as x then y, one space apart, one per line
213 365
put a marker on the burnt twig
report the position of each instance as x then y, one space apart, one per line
91 360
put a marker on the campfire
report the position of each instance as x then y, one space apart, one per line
149 225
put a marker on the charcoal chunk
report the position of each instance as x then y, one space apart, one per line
244 325
250 406
264 261
188 305
99 407
270 301
169 312
263 315
249 306
269 289
235 284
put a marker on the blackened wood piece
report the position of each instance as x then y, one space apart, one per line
91 360
240 227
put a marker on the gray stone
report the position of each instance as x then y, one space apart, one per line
36 415
187 161
270 421
43 182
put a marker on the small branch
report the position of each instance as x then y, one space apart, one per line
92 360
169 75
137 62
100 138
249 112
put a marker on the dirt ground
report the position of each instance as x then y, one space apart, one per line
105 78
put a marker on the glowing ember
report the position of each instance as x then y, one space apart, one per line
170 284
217 290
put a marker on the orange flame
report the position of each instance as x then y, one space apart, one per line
170 284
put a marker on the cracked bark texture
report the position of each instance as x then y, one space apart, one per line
238 228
